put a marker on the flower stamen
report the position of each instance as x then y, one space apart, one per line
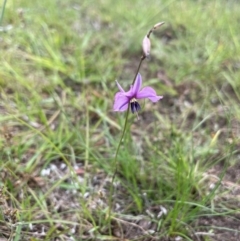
135 107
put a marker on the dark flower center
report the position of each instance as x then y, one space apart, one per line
135 107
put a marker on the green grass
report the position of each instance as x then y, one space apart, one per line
59 62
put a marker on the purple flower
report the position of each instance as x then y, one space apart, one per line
122 98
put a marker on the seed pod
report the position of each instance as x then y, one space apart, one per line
146 46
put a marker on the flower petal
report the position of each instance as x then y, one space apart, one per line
130 94
120 102
150 93
120 87
137 84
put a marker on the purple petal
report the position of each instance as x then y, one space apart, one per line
120 87
120 102
137 84
150 93
130 94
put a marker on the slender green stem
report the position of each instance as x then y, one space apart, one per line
116 165
3 9
119 144
139 66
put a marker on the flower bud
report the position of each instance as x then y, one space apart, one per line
146 46
158 25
